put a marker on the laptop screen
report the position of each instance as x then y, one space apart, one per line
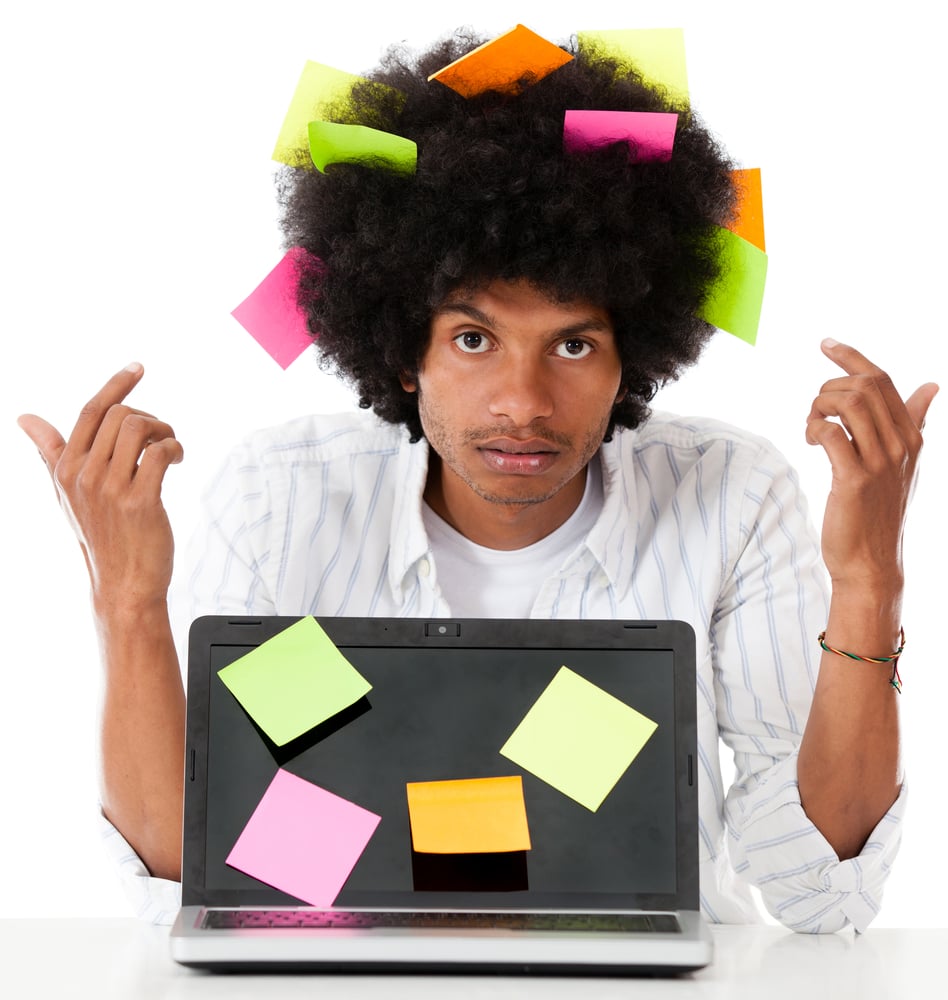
441 707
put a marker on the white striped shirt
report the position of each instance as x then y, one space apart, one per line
700 522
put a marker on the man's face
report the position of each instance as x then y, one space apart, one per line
515 394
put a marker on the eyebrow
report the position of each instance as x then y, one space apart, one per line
590 324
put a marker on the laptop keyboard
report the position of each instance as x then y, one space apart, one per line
621 922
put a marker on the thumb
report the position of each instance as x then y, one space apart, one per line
918 403
49 442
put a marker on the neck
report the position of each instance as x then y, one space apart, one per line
495 524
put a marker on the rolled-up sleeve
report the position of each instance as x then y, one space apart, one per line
802 882
156 900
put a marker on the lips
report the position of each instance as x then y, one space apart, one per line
524 458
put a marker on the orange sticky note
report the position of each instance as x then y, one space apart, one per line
469 816
749 221
503 63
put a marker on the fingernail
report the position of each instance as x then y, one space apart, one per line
133 367
829 343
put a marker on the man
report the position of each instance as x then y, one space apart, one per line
516 306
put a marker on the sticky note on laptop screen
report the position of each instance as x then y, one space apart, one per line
294 681
303 839
468 816
579 738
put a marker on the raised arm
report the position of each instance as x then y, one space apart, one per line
107 478
849 770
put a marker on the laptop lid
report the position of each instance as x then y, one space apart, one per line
461 700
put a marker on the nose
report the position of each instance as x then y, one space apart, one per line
521 392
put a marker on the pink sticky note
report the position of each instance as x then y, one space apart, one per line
652 132
271 316
303 840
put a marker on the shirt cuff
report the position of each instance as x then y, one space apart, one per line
155 900
803 883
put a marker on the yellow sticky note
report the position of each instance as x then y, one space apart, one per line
468 816
294 681
318 87
658 54
503 63
579 738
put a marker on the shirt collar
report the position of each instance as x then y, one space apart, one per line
408 542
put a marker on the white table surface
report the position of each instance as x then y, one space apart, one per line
125 958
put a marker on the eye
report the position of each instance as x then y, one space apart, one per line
472 342
573 348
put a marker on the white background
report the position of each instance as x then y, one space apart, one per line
138 209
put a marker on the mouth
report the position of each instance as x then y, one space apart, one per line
525 458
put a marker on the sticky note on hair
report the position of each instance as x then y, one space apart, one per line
330 142
734 303
749 220
657 53
271 316
319 87
303 839
468 816
294 681
579 738
651 134
506 64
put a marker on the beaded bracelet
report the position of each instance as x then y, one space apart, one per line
895 680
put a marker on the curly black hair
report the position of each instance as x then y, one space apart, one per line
494 196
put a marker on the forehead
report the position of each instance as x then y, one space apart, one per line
499 302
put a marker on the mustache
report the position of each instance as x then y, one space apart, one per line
477 435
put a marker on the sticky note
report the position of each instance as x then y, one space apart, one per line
734 303
749 220
657 53
303 840
271 316
294 681
579 738
318 87
468 816
330 142
650 133
503 63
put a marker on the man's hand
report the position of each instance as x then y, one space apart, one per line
873 449
108 478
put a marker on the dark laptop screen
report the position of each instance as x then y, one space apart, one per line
441 709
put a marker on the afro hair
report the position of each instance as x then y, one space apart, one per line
494 196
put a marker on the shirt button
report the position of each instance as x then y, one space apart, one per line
424 567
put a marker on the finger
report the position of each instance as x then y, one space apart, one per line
854 363
863 415
49 442
93 413
836 443
136 433
156 458
918 403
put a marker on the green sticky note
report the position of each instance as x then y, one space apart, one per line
330 142
294 681
734 302
579 738
319 86
658 54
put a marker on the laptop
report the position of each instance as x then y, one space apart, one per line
475 795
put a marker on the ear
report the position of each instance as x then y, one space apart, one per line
407 384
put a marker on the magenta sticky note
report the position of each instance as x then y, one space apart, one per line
303 840
271 316
651 132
